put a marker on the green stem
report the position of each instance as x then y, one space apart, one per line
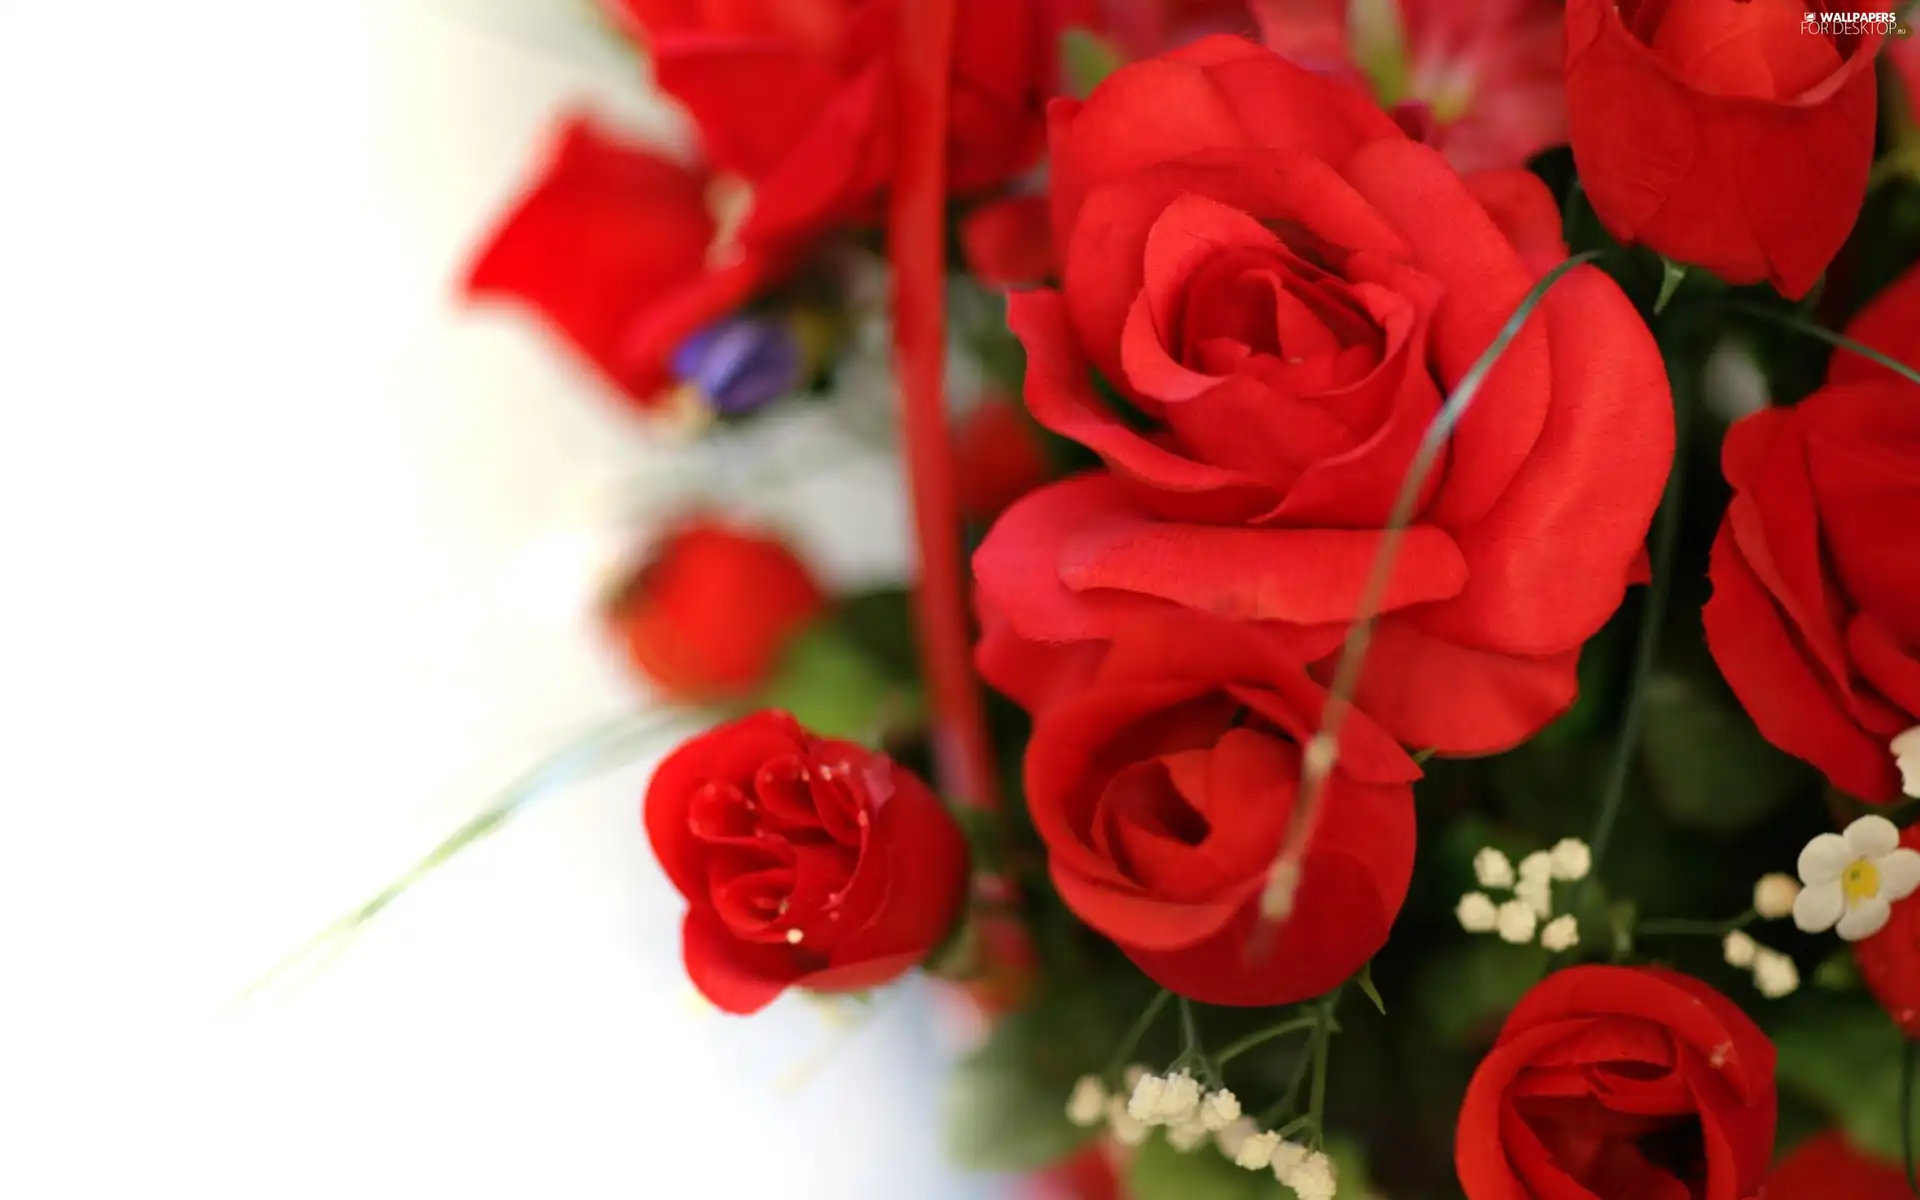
1131 1041
1192 1053
1681 927
1802 326
602 749
1261 1037
1317 1105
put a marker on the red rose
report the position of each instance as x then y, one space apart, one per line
1827 1168
1163 791
710 613
805 862
1815 615
1009 243
1610 1083
1890 960
1088 1175
998 458
1285 287
612 247
1734 135
796 97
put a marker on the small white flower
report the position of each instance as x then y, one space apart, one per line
1561 934
1492 868
1739 950
1774 973
1572 859
1774 895
1477 913
1854 878
1538 893
1229 1140
1256 1153
1315 1178
1144 1103
1906 756
1087 1106
1538 865
1133 1075
1127 1129
1179 1100
1219 1110
1188 1136
1517 922
1287 1157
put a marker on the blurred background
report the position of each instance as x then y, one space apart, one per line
287 599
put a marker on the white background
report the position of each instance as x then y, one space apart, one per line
277 521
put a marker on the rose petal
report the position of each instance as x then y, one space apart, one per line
735 976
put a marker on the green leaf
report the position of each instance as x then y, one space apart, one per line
1086 60
1160 1172
1710 768
1840 972
1365 982
1671 275
835 688
1468 988
880 623
1844 1055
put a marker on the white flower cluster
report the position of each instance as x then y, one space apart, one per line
1773 972
1531 908
1193 1116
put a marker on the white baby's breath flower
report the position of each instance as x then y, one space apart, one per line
1517 922
1538 865
1127 1129
1774 895
1287 1157
1315 1178
1188 1136
1256 1153
1774 973
1179 1100
1906 756
1219 1110
1492 868
1538 893
1561 934
1572 859
1144 1104
1087 1106
1854 878
1477 913
1739 950
1229 1140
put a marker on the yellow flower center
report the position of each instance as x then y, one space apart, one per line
1861 881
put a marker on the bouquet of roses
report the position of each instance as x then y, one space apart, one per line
1448 585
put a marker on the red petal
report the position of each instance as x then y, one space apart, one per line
735 976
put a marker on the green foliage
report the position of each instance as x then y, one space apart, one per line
1086 60
1464 990
1710 768
1160 1172
1843 1055
1006 1102
835 687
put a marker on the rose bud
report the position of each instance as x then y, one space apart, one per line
709 615
1734 135
1815 614
1620 1081
1826 1167
805 862
611 247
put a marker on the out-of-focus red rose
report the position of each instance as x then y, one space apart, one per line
998 458
805 862
1144 28
795 96
1617 1082
1005 961
1826 1167
612 247
1163 790
1890 960
1485 77
1815 615
1733 135
1088 1175
709 614
1009 243
1285 287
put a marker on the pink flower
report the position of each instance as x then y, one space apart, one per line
1480 81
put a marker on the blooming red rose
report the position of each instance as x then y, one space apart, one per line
1610 1083
1144 28
711 611
998 458
612 246
795 96
1890 960
1815 615
1825 1167
1164 789
1009 243
806 862
1487 76
1734 135
1284 287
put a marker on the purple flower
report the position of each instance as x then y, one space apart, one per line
741 363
